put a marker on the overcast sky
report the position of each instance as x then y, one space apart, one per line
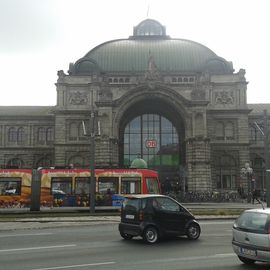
40 37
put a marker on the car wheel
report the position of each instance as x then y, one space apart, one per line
246 260
150 235
193 231
126 236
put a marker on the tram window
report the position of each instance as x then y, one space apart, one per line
10 186
108 185
152 185
61 185
82 185
131 185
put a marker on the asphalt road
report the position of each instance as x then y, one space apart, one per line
99 246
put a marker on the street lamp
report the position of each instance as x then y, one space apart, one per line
266 156
92 193
266 136
247 171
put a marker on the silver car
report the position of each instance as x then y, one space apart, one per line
251 236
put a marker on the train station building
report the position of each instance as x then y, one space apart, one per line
169 101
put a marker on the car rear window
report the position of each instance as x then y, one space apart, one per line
131 204
134 204
253 222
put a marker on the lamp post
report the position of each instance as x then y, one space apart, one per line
265 133
247 171
92 192
266 156
92 186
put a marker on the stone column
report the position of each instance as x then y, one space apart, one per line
198 164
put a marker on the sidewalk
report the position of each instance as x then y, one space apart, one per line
14 219
24 223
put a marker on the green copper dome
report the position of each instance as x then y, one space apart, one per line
138 163
149 38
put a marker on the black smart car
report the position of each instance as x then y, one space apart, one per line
155 216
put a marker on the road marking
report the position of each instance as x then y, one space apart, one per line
214 256
215 222
35 248
26 234
74 266
204 257
223 255
216 234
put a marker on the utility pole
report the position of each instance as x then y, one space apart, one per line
266 157
92 193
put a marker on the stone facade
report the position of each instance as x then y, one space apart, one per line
209 111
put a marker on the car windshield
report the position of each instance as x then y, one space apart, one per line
253 222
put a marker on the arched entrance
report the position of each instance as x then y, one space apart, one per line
154 131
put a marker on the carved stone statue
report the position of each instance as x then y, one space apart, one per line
224 98
78 98
152 73
61 74
241 73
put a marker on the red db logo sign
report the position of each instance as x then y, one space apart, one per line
151 143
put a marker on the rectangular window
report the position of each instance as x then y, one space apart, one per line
10 186
152 185
82 185
226 181
108 185
61 185
130 185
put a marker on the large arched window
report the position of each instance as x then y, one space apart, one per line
41 135
21 135
77 161
49 134
15 162
44 162
12 134
153 138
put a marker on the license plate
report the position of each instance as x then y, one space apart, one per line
129 216
249 252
